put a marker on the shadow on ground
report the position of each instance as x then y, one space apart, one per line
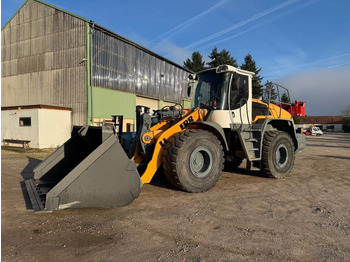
27 173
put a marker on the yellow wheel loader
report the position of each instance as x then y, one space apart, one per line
224 126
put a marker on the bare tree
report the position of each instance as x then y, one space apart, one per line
346 112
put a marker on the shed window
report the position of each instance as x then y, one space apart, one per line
25 121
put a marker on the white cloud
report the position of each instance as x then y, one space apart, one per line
296 60
325 91
290 60
172 52
265 13
295 56
181 26
138 39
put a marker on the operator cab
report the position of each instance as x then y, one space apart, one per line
227 91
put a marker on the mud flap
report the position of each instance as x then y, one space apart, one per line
301 142
90 170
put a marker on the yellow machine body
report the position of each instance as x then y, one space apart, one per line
159 135
276 112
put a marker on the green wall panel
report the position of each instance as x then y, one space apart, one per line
186 103
107 102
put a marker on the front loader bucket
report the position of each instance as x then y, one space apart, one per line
90 170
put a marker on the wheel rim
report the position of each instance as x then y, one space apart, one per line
281 156
201 162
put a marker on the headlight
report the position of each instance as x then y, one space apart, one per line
192 77
221 68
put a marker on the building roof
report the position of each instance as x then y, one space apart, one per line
50 5
36 107
321 119
93 24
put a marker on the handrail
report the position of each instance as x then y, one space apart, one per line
269 88
243 101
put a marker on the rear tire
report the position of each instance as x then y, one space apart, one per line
278 154
193 160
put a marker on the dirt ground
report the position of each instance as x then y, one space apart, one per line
304 217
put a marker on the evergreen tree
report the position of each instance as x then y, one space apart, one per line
296 120
249 65
270 91
285 98
221 58
196 64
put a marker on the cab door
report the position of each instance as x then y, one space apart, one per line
239 103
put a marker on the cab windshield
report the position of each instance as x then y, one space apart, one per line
211 89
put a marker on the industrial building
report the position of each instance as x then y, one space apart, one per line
53 58
325 123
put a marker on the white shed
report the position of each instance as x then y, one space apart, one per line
37 126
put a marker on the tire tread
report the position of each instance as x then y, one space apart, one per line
171 157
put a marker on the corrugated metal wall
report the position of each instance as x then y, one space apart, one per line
119 65
41 51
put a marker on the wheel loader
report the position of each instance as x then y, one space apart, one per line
224 126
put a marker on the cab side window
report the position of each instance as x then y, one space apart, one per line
239 91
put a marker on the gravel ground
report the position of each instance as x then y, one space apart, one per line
245 217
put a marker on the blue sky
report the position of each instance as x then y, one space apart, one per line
301 44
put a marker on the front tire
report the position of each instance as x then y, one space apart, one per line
193 160
278 154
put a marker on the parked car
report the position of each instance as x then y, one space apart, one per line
314 131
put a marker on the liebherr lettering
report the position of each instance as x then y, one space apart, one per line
186 122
